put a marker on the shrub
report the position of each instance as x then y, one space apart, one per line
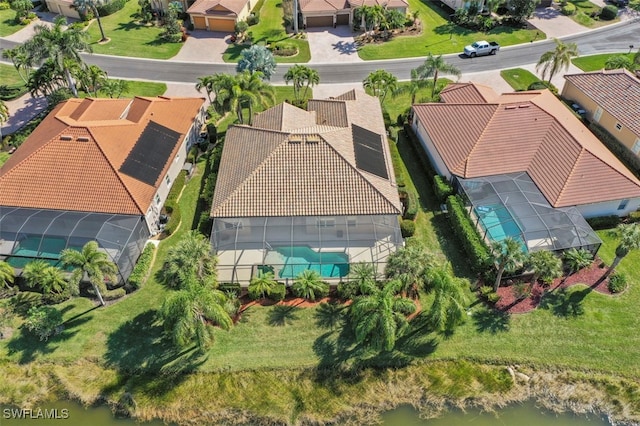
485 290
253 19
407 228
348 290
539 85
411 206
603 222
141 270
5 5
473 245
8 93
617 283
568 9
233 288
23 301
442 188
43 321
174 220
111 7
177 186
609 12
241 27
278 292
521 290
493 297
114 294
55 298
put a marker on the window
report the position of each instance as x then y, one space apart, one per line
636 147
618 126
326 223
623 204
168 180
157 199
351 222
597 115
177 158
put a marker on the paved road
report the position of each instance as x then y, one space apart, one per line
616 38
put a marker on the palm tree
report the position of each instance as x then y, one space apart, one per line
629 235
7 274
415 85
545 265
576 259
83 5
115 88
245 90
449 304
380 318
190 257
91 79
432 67
39 273
619 61
187 313
206 83
92 263
21 61
4 117
381 83
508 256
309 285
261 285
553 61
365 276
409 265
301 75
59 44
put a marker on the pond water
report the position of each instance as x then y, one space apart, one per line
526 414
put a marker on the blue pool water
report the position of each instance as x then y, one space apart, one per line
300 258
498 222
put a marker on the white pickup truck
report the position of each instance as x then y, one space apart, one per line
480 48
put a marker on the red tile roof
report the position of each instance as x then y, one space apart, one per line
218 7
527 131
71 161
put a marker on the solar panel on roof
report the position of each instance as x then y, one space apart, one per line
369 152
150 153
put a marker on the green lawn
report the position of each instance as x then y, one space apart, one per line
584 9
144 88
439 36
270 29
596 62
7 24
518 78
130 38
9 76
4 156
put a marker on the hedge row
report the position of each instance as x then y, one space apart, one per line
141 270
8 93
411 206
171 205
472 243
111 7
206 193
442 188
114 294
604 222
177 186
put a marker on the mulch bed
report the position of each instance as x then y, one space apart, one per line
590 276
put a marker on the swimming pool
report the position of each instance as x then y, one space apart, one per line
30 248
301 258
498 223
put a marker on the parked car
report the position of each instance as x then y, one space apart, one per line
481 48
578 109
620 3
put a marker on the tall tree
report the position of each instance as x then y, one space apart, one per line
545 266
409 265
83 6
187 313
309 285
301 76
450 301
45 80
91 263
629 240
115 88
21 60
557 59
91 78
415 85
245 90
521 10
190 257
206 82
381 83
380 317
257 58
432 67
7 274
508 256
59 44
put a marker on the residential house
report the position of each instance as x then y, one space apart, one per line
63 7
610 98
219 15
310 189
547 162
95 169
327 13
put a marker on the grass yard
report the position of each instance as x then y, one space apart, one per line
7 24
9 76
518 78
584 10
130 38
144 88
596 62
4 156
271 29
440 36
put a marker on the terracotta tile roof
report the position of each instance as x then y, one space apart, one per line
218 7
536 134
297 172
283 117
72 159
323 5
458 93
616 91
329 112
383 3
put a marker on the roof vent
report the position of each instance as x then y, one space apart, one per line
313 139
524 106
296 139
82 139
510 107
66 138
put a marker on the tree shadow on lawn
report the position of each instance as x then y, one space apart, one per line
330 315
565 302
128 26
492 321
281 315
29 346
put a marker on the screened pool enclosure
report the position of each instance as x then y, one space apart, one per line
511 205
287 246
28 234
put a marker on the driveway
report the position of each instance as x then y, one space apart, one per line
203 46
331 45
554 23
24 34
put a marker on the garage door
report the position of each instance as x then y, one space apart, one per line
320 21
199 23
342 19
216 24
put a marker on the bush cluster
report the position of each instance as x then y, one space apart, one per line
16 139
348 290
568 9
55 298
477 251
206 193
111 7
617 283
487 293
539 85
233 288
141 270
114 294
609 12
8 93
442 188
253 19
278 292
5 5
411 205
284 49
603 222
407 228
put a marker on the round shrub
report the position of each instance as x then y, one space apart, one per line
5 6
617 283
539 85
568 9
407 228
253 19
278 292
348 290
609 12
